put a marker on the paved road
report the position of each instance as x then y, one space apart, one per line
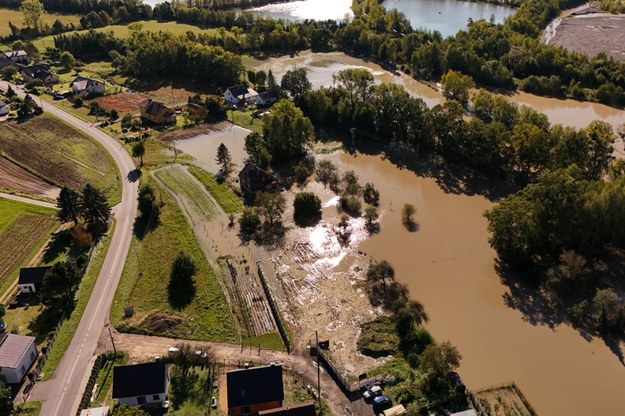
27 200
60 394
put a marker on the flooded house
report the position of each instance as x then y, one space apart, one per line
253 179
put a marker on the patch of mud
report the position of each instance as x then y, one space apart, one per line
160 322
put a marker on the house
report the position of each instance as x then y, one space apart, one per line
266 98
39 71
13 57
96 411
302 409
196 110
82 85
30 278
141 384
17 355
253 179
255 389
4 109
240 95
157 112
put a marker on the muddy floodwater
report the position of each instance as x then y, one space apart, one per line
450 267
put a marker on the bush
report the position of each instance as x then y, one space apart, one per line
303 170
371 195
249 223
306 205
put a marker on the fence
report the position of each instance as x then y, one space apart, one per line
274 310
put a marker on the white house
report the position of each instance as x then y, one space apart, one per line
17 355
31 278
141 384
96 411
82 85
266 98
240 95
13 57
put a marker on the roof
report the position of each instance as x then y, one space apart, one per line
32 274
3 104
96 411
237 90
255 385
139 379
15 54
12 348
82 83
149 106
268 95
469 412
302 409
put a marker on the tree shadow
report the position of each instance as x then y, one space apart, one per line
183 389
412 225
46 321
134 175
180 295
59 244
307 221
143 226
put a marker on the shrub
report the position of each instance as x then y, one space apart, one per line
351 204
249 222
306 205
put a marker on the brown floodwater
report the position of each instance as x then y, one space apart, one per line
450 267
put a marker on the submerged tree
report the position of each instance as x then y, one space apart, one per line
224 159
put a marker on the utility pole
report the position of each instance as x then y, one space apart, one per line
112 341
318 370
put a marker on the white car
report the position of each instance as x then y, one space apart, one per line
372 392
173 349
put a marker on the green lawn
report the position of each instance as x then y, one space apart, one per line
28 409
180 182
245 119
229 201
24 228
122 31
202 315
17 18
60 154
68 327
270 340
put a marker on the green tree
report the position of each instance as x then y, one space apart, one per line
371 218
94 208
224 159
59 284
295 82
407 213
124 410
68 204
371 195
33 12
457 86
6 400
287 133
138 151
249 222
270 207
435 363
350 183
67 60
326 171
306 205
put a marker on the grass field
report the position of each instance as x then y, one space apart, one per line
60 154
69 325
17 18
24 229
245 119
28 409
122 31
144 284
225 196
179 181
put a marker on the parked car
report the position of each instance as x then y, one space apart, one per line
372 392
382 401
214 403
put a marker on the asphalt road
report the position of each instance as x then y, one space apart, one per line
61 394
27 200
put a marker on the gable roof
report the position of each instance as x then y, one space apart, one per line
39 70
82 83
15 54
139 379
268 95
237 90
149 106
255 385
302 409
32 274
12 348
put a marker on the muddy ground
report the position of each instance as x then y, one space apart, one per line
15 178
592 34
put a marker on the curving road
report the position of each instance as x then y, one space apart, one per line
61 393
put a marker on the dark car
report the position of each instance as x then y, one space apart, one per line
382 401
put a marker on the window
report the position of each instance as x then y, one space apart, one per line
156 397
32 355
22 370
141 400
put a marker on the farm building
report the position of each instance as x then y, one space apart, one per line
141 384
266 98
156 112
82 85
31 278
240 95
17 355
39 71
253 390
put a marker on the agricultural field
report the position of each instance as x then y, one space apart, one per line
122 31
59 154
15 178
144 284
178 180
24 228
505 400
229 201
17 18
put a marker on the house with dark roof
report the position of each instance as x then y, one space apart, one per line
40 71
31 278
17 355
302 409
240 95
253 179
82 85
253 390
4 109
141 384
157 112
265 98
13 57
